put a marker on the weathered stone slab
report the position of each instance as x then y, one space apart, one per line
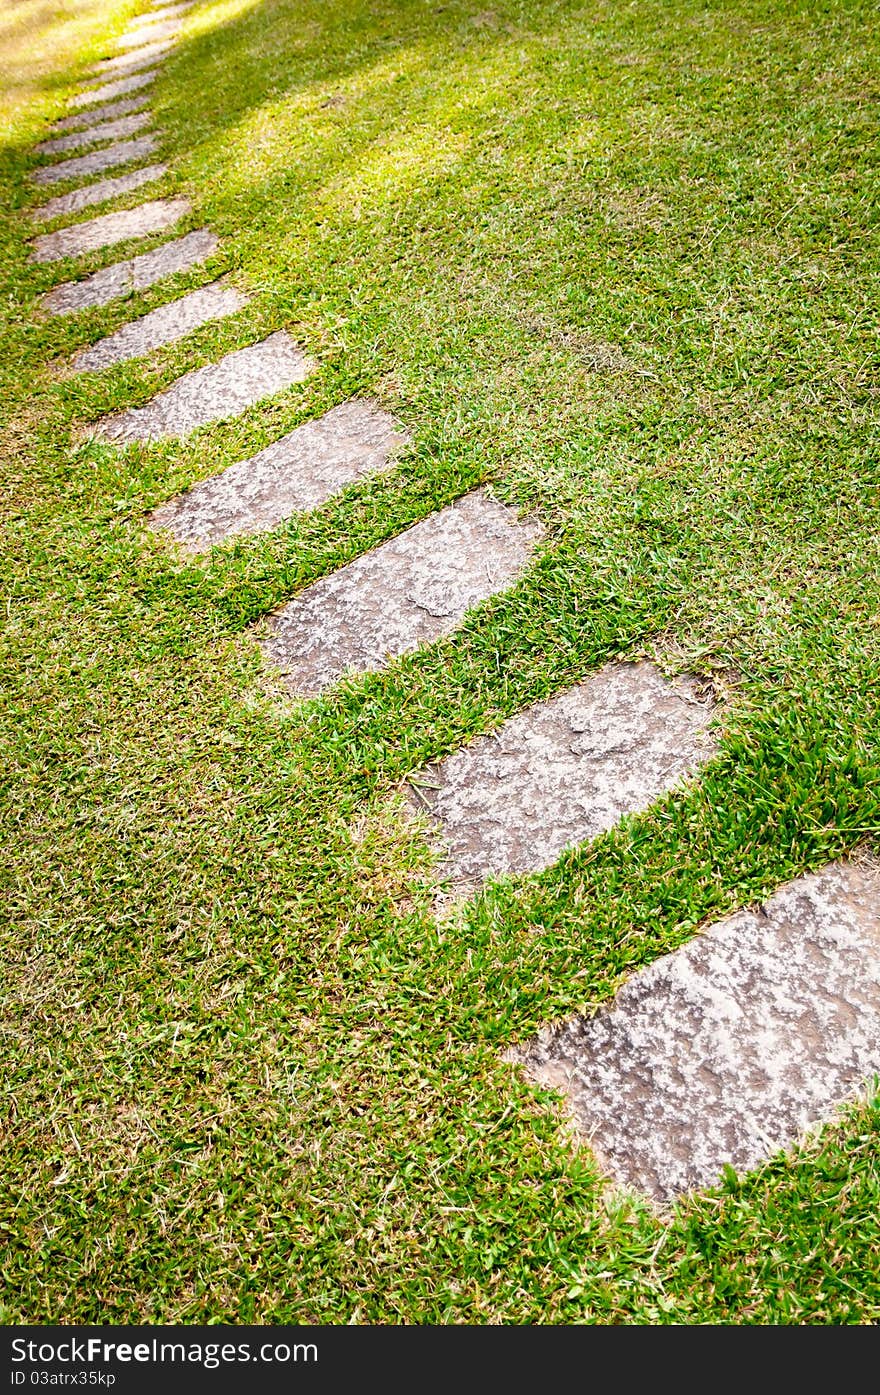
733 1046
108 90
209 394
134 274
100 192
408 592
164 325
93 135
161 13
563 771
81 120
297 473
131 62
123 152
151 32
110 228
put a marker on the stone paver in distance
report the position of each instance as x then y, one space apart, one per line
122 153
733 1046
149 33
131 62
79 238
407 592
210 394
82 120
100 192
94 135
563 771
297 473
164 325
108 90
134 274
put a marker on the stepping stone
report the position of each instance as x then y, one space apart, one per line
164 325
732 1047
80 238
209 394
108 112
93 135
135 274
407 592
108 90
130 62
563 771
297 473
161 13
148 33
100 192
122 153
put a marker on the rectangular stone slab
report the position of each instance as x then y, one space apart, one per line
108 90
164 325
149 32
100 192
297 473
134 274
80 238
408 592
209 394
732 1047
123 152
563 771
131 62
94 135
82 120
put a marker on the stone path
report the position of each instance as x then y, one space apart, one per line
297 473
136 274
718 1053
122 153
100 192
733 1046
163 326
563 771
210 394
94 135
74 241
409 591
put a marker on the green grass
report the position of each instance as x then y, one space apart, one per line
619 263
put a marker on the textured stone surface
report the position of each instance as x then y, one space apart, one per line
295 474
407 592
563 771
152 32
93 135
126 63
100 192
81 120
733 1046
134 274
165 325
209 394
147 218
108 90
123 152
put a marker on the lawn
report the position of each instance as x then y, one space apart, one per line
619 263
